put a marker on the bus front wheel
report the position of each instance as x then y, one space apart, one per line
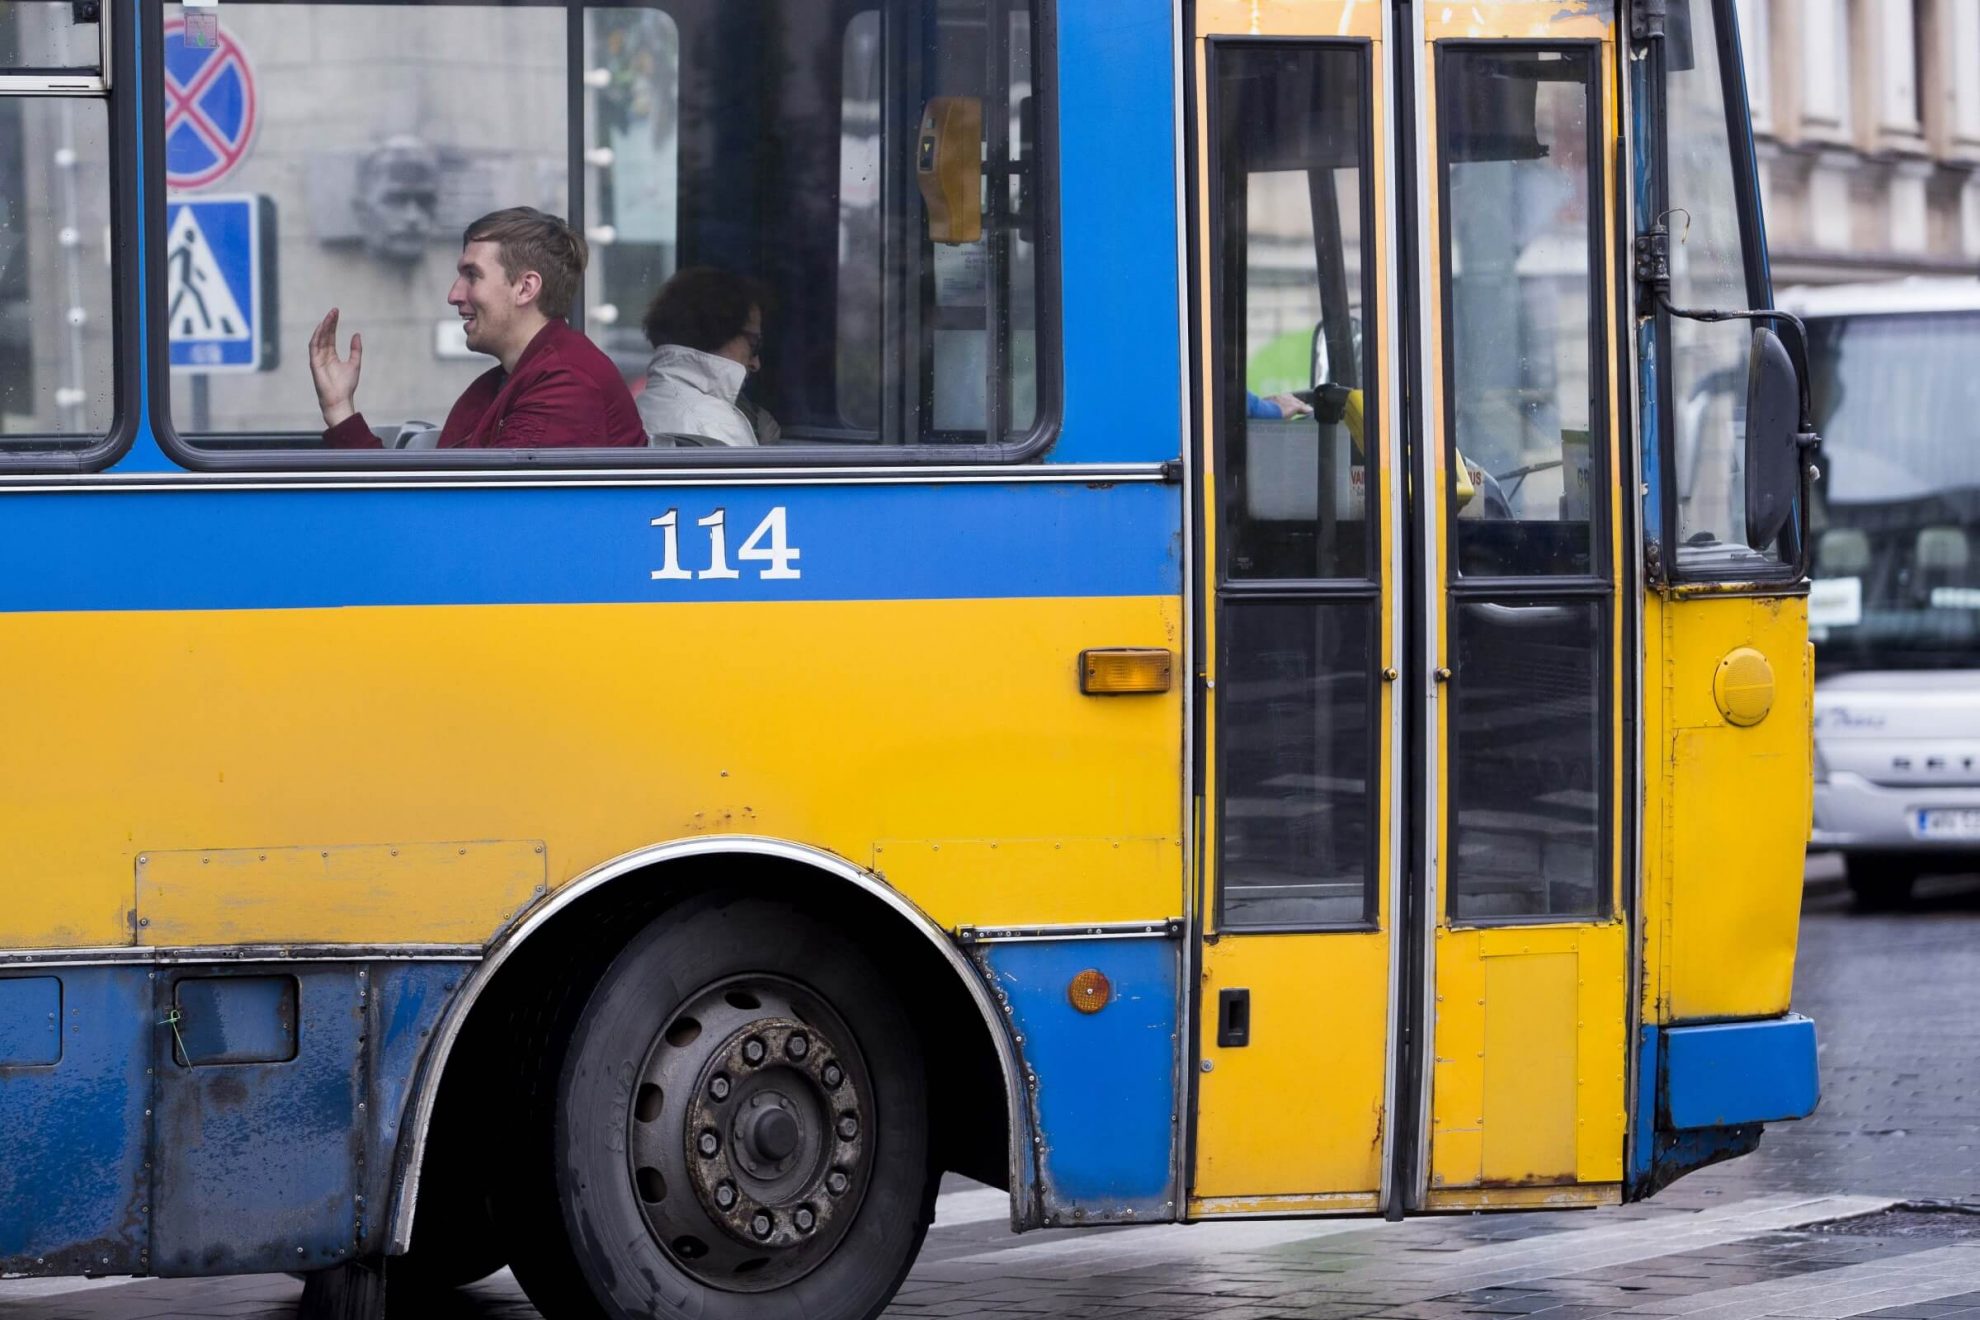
1879 883
740 1125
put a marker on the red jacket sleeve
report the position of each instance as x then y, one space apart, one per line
351 433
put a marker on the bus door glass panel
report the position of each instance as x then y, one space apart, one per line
1711 267
1526 431
1299 604
56 329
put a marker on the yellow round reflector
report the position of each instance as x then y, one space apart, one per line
1744 687
1090 990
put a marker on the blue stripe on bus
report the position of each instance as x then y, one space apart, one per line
1117 239
579 545
1105 1098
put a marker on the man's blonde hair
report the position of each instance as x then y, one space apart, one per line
527 239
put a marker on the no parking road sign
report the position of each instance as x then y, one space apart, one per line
219 282
209 107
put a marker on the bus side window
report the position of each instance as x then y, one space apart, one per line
56 348
711 136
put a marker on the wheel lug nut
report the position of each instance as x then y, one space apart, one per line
753 1050
708 1143
761 1225
725 1195
848 1126
836 1182
797 1047
804 1219
718 1087
834 1075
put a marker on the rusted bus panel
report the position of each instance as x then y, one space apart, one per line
1727 819
288 1164
406 1005
73 1190
258 1163
211 1119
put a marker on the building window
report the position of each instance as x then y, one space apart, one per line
1825 69
1756 51
1897 98
1965 46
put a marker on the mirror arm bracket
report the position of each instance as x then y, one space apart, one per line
1653 278
1646 20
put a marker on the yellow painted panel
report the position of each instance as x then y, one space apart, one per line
408 893
1457 1080
1723 881
1529 20
1289 18
1532 1056
1524 1198
1264 1207
1033 875
1316 1064
597 729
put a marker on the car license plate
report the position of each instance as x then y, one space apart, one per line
1947 823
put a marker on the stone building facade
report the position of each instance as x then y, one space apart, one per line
1867 114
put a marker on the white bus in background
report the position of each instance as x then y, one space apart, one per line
1895 607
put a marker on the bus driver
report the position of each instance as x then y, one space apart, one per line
518 272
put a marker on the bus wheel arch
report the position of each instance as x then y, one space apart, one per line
523 1000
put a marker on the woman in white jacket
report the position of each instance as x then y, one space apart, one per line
706 328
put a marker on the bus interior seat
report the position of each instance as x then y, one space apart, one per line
1939 559
409 435
1843 552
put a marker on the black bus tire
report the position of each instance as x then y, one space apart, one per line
745 1027
1879 882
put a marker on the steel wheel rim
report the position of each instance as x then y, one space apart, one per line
749 1133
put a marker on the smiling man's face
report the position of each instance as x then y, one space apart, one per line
489 305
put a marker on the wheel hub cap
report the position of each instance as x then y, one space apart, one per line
749 1134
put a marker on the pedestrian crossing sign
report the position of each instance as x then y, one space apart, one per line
217 276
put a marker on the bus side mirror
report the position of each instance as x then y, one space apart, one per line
1773 439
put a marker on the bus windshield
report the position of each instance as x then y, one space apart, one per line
1898 407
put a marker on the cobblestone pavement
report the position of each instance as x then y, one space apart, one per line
1806 1227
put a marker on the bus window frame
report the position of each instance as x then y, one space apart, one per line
659 461
1661 557
1317 591
1606 581
1602 370
118 72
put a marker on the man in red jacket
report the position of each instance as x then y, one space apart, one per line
518 272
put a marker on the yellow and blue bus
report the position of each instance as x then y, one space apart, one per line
1237 683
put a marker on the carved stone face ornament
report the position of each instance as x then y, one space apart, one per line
398 198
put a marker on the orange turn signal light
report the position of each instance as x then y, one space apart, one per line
1114 671
1090 991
